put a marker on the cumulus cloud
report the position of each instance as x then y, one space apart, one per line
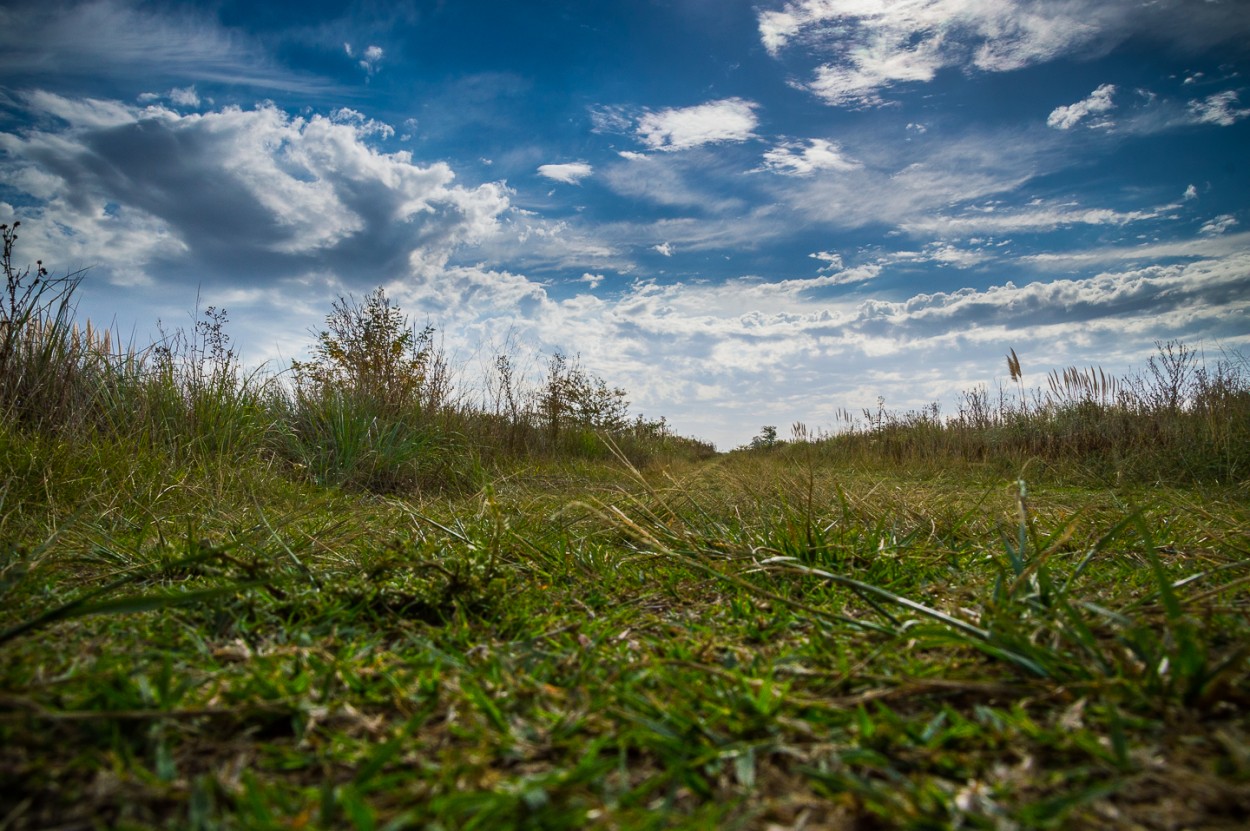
727 120
369 58
868 48
570 173
363 125
664 248
1098 102
794 159
254 193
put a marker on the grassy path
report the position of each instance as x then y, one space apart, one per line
753 643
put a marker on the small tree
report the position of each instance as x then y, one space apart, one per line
573 395
767 438
369 349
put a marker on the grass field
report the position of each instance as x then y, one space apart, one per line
215 616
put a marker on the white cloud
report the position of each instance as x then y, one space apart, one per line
1220 109
664 248
1191 192
370 59
181 96
899 182
570 173
948 254
727 120
592 280
991 219
85 112
184 96
1196 248
876 45
1218 225
363 125
676 179
832 260
607 118
855 274
117 39
867 47
778 27
253 194
1098 102
794 159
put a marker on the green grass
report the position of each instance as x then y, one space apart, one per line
740 644
228 605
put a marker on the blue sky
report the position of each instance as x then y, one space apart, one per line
745 213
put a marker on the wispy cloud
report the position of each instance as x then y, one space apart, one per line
867 49
1219 225
684 180
369 59
570 173
876 46
727 120
179 96
795 159
1098 102
124 40
1220 109
994 219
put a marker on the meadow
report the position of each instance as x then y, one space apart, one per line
353 595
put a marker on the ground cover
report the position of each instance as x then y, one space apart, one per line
759 641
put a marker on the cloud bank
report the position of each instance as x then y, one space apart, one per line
254 192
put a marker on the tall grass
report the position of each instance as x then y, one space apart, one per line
1180 418
377 407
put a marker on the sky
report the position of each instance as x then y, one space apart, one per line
744 213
